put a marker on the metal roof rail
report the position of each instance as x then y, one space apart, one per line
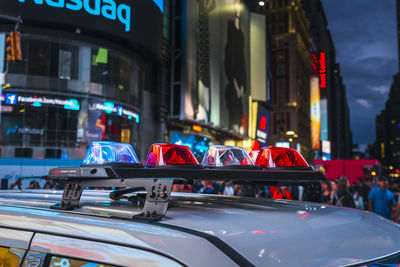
158 181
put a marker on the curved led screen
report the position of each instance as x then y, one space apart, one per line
138 22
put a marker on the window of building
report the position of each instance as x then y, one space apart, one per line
281 16
23 152
64 64
281 98
280 44
281 27
39 58
288 126
280 69
110 69
45 57
281 84
52 153
280 56
39 125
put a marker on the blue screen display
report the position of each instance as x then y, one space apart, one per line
198 144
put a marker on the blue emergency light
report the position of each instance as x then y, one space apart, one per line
110 152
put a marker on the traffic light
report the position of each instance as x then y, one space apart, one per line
13 43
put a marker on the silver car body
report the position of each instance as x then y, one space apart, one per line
198 230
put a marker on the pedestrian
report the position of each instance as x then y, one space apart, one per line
282 192
227 188
381 200
343 197
326 192
182 188
34 185
208 187
364 191
358 199
48 185
17 184
237 190
334 186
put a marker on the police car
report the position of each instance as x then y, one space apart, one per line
140 221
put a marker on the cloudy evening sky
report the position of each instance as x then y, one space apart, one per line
364 34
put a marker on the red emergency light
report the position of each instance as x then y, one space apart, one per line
254 154
170 154
271 157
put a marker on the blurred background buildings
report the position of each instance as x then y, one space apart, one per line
194 72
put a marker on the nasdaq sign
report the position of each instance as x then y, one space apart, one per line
105 8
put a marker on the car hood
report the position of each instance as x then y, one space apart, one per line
288 233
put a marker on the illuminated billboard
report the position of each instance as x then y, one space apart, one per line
137 23
315 113
324 119
216 78
326 150
197 143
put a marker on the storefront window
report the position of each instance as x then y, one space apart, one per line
92 94
108 121
35 124
51 121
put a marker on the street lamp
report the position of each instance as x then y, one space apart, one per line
261 3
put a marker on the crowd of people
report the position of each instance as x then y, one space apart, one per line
335 192
34 184
378 199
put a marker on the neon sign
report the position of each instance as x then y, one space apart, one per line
315 63
71 104
25 130
11 99
109 107
109 9
322 70
37 101
6 109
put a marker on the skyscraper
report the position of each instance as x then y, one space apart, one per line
387 123
291 71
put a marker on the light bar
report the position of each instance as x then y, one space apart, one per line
221 156
110 152
271 157
170 154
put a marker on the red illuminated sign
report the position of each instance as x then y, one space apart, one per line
315 63
263 123
322 70
7 109
319 67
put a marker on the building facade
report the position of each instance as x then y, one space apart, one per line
90 71
219 74
291 62
387 123
335 131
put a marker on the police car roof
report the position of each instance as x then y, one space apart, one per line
215 230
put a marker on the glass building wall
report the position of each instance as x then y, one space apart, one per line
64 95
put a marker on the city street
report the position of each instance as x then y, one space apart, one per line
222 131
